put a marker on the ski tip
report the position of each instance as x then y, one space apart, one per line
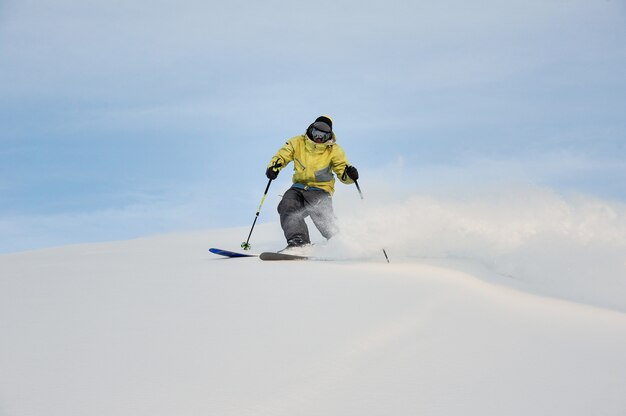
228 253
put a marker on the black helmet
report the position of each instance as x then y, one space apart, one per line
325 119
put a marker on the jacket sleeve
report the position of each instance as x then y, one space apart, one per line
283 156
339 164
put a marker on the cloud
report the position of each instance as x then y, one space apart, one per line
124 215
115 98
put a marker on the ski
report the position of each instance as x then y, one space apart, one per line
228 253
271 256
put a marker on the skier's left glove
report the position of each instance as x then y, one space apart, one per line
351 173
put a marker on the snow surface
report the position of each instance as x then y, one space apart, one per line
159 326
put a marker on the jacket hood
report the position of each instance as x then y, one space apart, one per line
318 147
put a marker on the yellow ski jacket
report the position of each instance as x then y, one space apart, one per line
313 163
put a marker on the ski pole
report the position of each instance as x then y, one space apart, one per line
358 188
361 194
246 244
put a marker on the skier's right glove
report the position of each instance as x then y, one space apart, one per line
272 172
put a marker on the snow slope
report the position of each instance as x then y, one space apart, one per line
159 326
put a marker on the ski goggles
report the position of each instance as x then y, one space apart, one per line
320 136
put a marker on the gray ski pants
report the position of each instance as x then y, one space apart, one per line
297 204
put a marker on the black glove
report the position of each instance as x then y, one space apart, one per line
271 172
352 173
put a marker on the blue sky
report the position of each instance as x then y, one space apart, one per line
122 119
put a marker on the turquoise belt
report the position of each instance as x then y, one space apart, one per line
307 188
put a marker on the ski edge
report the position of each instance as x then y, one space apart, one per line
272 256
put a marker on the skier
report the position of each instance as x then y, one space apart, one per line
315 155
